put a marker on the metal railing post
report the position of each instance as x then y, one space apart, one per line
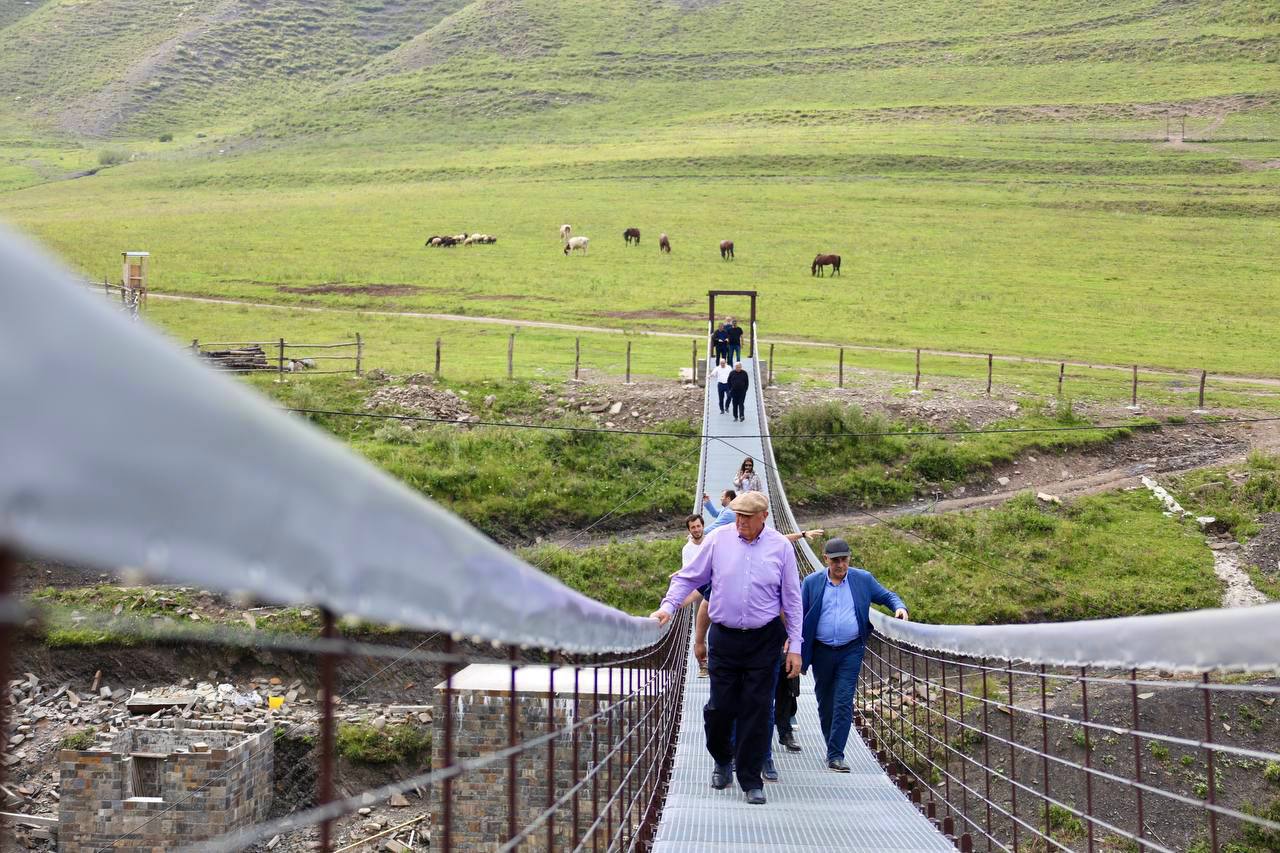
328 685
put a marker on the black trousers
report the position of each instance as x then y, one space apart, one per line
722 389
742 666
738 397
785 698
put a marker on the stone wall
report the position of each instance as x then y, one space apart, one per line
481 725
203 779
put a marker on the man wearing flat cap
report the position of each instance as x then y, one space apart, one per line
752 572
837 623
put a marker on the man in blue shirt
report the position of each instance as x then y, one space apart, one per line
721 516
837 623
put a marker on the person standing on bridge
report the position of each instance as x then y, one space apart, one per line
721 516
720 374
754 584
739 382
720 342
735 340
836 626
746 480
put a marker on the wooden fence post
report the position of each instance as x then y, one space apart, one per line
577 356
106 288
1062 369
989 360
841 367
437 358
359 355
694 363
770 381
280 364
195 350
511 356
1135 386
1203 375
628 362
917 368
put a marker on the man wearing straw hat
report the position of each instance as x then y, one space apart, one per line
836 626
754 585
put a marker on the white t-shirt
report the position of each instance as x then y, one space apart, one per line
690 551
721 373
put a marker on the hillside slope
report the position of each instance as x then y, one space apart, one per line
135 67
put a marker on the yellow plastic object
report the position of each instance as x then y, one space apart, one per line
275 703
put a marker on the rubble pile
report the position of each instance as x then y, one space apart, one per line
418 396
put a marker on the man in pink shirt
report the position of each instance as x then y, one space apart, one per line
754 588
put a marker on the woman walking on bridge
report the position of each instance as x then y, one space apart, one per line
747 480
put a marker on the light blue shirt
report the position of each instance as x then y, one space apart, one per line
838 624
725 516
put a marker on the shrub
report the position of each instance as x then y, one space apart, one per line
81 740
166 137
112 156
1272 772
392 745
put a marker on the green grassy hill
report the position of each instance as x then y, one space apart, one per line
997 176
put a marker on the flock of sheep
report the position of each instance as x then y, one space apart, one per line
630 236
439 240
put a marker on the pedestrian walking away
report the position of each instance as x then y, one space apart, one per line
746 480
721 516
739 382
837 623
754 585
735 341
720 373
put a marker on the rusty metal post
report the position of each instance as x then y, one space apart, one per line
446 794
359 355
8 632
513 714
608 834
986 741
990 359
437 358
577 715
1013 762
1062 371
1135 385
841 367
328 685
551 749
595 753
1213 786
1044 752
1088 752
577 356
1137 751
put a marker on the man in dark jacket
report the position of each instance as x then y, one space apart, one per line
739 382
837 623
720 342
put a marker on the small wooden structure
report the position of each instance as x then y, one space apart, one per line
134 275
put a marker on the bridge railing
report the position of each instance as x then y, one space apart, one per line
1157 733
552 717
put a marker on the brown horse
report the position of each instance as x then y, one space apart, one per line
664 245
726 250
821 261
631 235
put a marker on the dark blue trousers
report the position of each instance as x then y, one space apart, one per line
722 389
835 678
742 666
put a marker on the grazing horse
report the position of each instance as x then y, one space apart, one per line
726 250
576 244
631 235
821 261
664 245
565 231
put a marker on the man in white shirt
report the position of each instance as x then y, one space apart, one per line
720 374
694 524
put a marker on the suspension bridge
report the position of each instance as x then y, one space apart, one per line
999 738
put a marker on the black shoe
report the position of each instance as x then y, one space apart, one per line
789 741
721 776
769 772
838 764
756 797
